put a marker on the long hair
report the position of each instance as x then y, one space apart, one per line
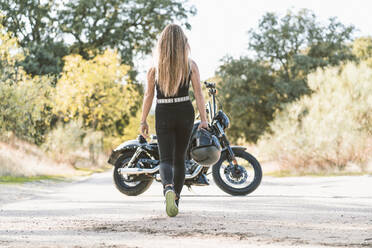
171 58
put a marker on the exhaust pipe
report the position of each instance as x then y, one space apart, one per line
137 171
187 176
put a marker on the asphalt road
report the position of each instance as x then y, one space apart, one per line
282 212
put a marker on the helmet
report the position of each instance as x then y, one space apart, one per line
205 147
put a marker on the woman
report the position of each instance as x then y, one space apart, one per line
174 112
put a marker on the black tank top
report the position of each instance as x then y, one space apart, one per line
183 90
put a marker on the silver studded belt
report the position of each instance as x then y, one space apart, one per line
173 100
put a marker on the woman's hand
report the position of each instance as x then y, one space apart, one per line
144 129
203 124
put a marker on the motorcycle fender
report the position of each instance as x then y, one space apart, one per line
123 147
224 151
235 148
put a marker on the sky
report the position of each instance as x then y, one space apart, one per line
220 26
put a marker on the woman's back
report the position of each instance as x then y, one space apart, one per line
183 89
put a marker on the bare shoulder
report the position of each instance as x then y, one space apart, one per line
195 76
151 77
151 73
194 66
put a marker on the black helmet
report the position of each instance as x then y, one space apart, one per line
205 147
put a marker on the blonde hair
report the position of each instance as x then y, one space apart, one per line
171 59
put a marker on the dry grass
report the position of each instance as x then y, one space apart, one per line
72 144
22 159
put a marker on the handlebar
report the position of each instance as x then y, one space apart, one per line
210 85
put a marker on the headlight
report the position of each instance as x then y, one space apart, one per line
223 119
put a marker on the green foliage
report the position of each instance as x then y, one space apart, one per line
247 89
96 91
10 55
130 26
18 179
332 128
25 108
33 23
45 58
93 26
287 49
28 20
296 43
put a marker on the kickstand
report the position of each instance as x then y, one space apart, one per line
189 188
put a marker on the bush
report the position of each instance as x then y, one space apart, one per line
331 128
73 144
25 108
97 92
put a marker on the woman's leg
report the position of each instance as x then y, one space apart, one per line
165 130
166 141
182 135
164 126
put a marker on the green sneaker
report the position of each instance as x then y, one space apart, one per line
170 200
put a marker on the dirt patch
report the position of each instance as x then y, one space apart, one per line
182 226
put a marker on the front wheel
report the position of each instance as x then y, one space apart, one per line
240 181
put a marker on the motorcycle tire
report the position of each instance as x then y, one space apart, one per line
216 172
121 185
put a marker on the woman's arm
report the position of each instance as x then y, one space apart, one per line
147 101
195 79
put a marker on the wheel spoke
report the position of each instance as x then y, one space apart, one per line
125 179
240 178
128 182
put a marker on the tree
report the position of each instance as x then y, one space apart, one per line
45 58
248 94
10 55
34 25
286 50
25 106
130 26
296 43
97 92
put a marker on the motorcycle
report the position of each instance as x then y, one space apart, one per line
136 162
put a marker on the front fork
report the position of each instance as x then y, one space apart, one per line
230 155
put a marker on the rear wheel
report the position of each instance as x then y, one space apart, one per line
240 181
123 183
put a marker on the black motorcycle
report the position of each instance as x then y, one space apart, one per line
236 172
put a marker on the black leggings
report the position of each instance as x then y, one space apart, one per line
173 124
